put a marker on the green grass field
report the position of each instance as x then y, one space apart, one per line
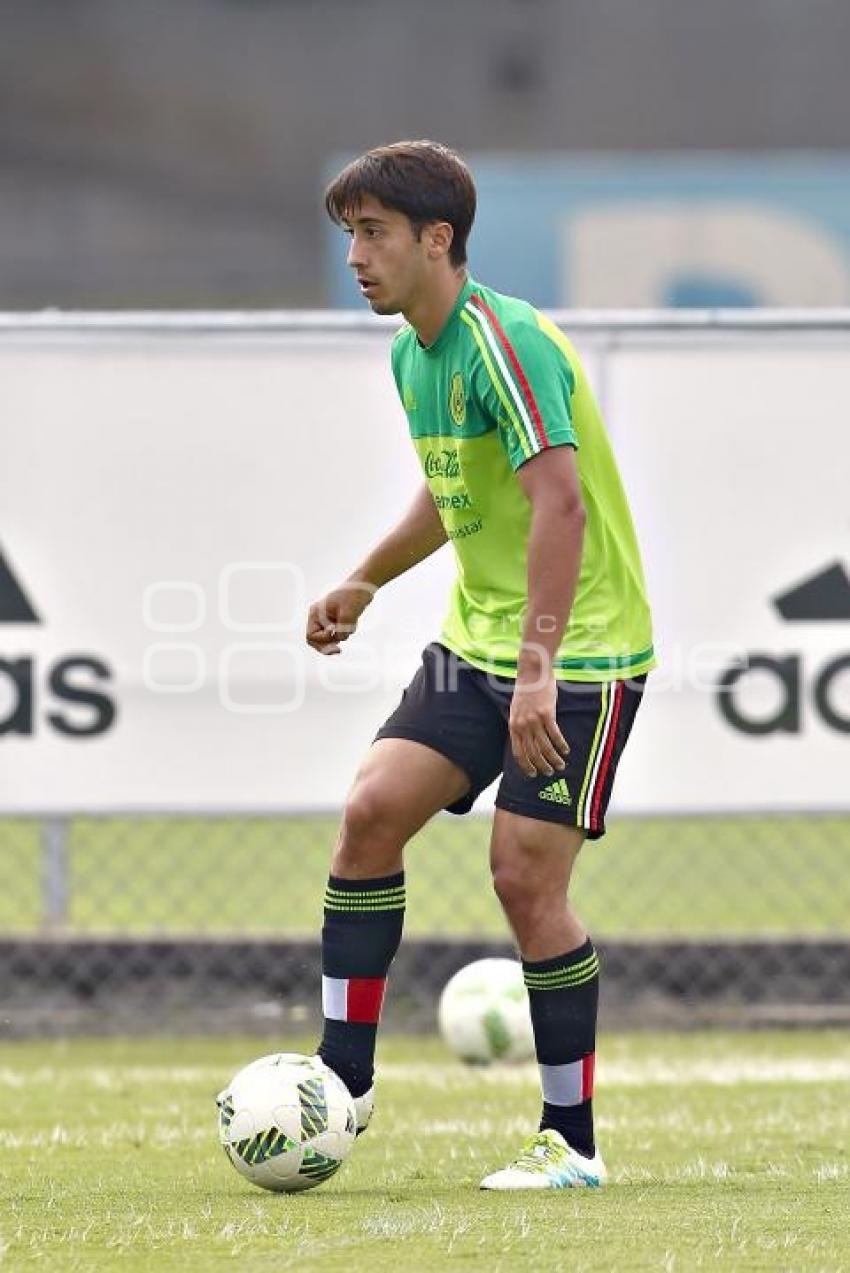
653 877
726 1151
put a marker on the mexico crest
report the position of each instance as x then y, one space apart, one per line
457 400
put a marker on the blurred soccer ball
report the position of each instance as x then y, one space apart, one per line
484 1014
286 1122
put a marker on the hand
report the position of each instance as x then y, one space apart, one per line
333 619
537 743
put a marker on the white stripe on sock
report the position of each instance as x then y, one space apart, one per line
562 1084
334 995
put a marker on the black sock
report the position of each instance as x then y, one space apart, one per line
564 994
360 936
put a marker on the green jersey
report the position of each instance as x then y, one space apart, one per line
500 384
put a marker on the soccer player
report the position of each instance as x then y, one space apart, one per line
540 666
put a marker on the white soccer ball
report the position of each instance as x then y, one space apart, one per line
286 1122
484 1014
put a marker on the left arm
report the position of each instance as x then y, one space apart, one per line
550 481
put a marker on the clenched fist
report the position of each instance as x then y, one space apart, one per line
331 620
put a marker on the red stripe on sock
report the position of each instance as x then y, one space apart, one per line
588 1064
364 999
602 776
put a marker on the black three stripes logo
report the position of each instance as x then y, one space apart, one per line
15 605
821 598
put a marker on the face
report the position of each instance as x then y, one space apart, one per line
391 264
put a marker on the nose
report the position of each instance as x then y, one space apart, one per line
355 257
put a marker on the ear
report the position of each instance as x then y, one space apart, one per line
440 235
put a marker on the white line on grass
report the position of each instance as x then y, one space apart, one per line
108 1137
651 1072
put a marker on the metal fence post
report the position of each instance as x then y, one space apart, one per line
55 873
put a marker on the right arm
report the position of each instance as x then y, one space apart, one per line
419 533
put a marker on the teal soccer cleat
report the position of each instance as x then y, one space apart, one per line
546 1161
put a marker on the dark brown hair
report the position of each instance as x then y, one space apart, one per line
424 180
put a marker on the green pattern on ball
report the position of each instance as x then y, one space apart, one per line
225 1111
265 1145
314 1107
496 1032
318 1167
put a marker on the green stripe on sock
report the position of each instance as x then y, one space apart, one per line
591 961
562 978
379 901
532 979
559 973
365 901
389 888
365 892
364 910
379 895
564 985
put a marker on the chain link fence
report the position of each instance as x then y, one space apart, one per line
196 922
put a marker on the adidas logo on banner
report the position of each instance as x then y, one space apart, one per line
821 598
558 792
83 710
15 606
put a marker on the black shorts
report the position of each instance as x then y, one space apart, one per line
463 713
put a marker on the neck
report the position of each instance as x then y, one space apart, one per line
428 315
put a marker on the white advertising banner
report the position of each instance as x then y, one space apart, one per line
172 500
736 456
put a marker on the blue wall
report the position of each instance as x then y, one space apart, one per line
699 230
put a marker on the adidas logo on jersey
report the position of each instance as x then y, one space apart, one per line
558 792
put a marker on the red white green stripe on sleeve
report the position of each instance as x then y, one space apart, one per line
570 1084
353 998
506 373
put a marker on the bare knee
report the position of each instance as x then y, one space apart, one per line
531 863
517 887
371 840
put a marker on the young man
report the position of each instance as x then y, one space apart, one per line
540 665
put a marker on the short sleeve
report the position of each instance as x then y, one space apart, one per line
526 385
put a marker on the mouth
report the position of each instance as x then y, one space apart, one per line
367 286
